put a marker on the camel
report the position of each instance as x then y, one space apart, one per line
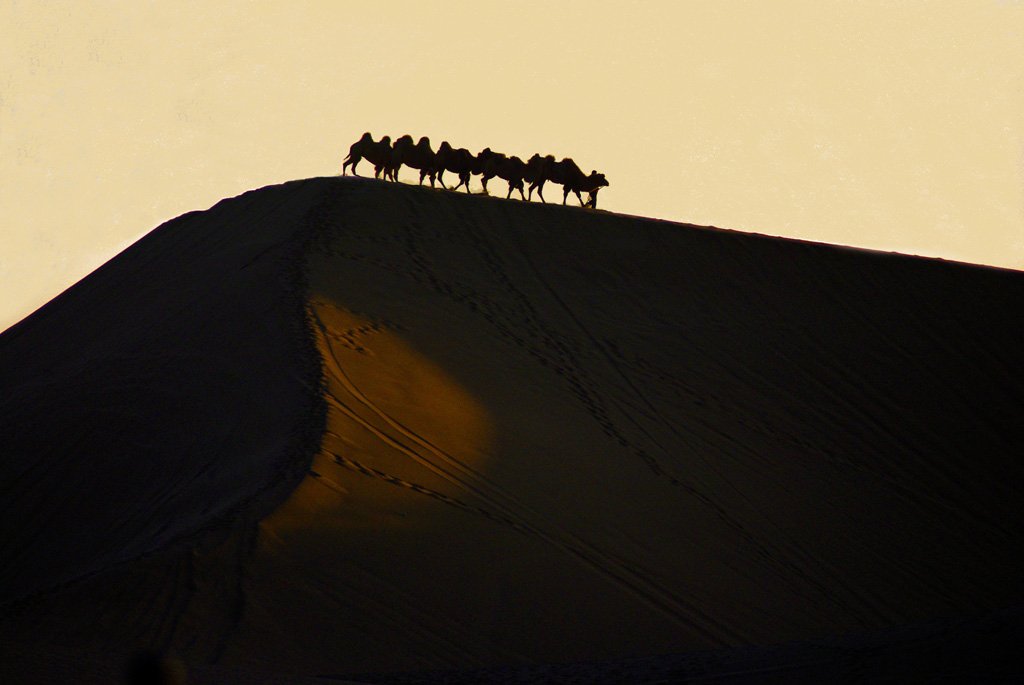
510 169
538 170
571 178
458 161
418 156
481 162
378 154
490 164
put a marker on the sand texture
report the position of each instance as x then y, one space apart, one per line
341 428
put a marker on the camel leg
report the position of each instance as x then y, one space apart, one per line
578 197
440 179
565 195
519 187
538 186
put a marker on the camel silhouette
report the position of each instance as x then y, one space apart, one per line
418 156
389 158
458 162
568 175
510 169
378 154
480 165
538 171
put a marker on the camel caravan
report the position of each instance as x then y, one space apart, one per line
387 158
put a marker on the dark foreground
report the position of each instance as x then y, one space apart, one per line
341 428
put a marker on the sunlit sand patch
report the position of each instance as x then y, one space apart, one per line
400 433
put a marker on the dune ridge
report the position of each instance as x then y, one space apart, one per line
532 434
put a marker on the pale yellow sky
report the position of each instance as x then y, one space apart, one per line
893 125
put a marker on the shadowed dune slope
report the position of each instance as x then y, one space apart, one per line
545 435
162 391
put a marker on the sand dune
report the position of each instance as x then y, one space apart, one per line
343 427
